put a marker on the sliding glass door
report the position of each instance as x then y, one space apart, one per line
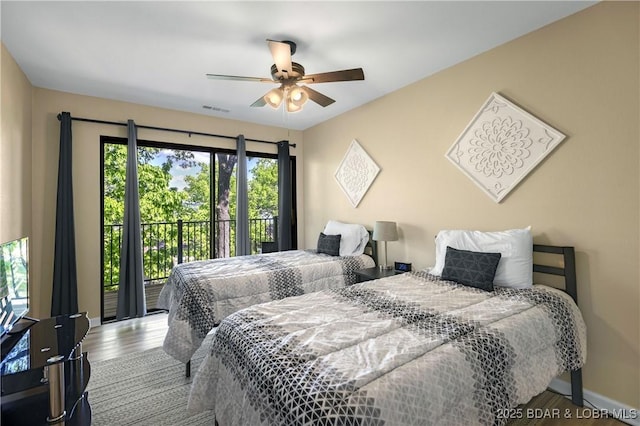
187 208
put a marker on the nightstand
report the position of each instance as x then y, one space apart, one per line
368 274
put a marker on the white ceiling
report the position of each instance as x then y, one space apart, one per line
157 53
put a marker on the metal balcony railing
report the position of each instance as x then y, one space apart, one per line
165 244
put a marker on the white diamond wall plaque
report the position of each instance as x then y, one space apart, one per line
356 173
501 145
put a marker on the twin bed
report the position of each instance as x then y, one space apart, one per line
198 295
414 348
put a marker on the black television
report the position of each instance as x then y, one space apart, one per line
14 283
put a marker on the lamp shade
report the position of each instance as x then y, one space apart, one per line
292 106
295 98
274 97
385 231
298 96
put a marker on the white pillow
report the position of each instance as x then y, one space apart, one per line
354 237
515 268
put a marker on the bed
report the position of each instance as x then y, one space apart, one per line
409 349
198 295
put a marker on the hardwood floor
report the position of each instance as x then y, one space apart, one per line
136 335
123 337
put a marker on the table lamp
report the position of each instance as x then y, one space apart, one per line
385 231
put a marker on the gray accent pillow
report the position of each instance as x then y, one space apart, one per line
471 268
329 244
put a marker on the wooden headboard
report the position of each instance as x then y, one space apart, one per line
568 271
372 248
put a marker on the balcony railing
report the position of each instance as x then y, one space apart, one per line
166 244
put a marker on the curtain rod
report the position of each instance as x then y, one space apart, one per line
166 129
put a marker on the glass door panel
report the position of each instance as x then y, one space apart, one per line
174 190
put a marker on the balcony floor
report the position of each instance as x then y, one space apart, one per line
152 291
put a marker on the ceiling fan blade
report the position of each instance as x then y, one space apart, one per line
260 102
238 78
328 77
281 53
318 97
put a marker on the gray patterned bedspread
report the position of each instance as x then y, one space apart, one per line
198 295
405 350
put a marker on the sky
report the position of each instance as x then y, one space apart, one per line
179 173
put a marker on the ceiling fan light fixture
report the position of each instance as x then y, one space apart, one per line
298 96
292 106
274 97
288 73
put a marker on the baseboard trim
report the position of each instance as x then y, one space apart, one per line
624 413
95 322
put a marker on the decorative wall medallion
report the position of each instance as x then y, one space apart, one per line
356 173
501 145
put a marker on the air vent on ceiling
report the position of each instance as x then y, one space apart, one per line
213 108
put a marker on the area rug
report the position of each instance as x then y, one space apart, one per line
144 388
149 388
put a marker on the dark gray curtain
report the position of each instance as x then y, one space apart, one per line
284 197
242 201
64 298
131 302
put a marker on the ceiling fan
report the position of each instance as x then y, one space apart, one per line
289 74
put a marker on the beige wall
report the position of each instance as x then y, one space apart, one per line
580 75
86 175
15 150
